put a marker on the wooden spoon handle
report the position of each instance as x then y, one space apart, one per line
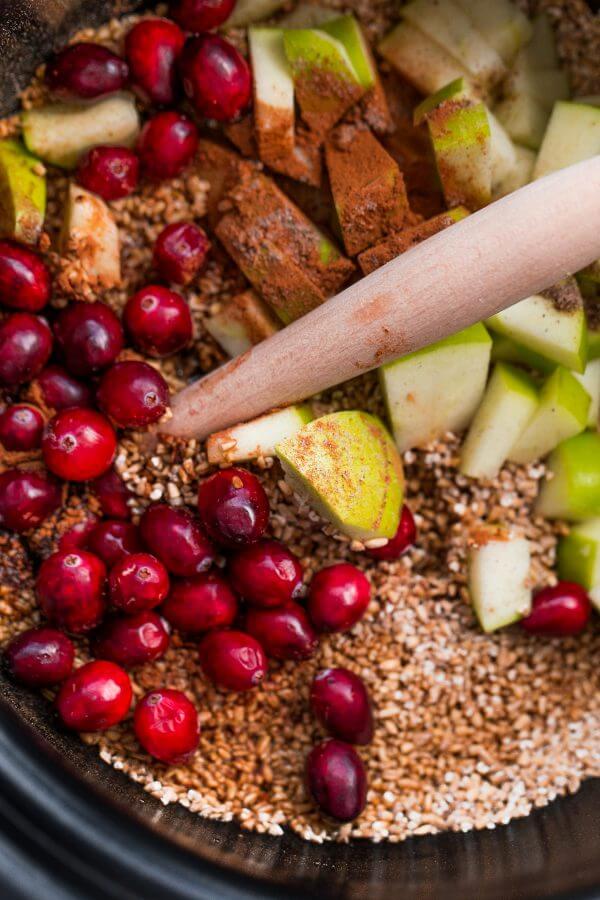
509 250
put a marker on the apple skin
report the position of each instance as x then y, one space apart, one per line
23 192
461 139
348 32
578 555
573 491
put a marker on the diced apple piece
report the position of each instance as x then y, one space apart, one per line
520 175
571 490
247 12
506 350
347 30
510 401
594 343
578 555
503 152
256 439
273 93
22 193
524 119
573 134
90 234
541 49
437 389
242 322
461 139
420 60
590 380
545 86
347 467
62 132
308 15
498 575
501 23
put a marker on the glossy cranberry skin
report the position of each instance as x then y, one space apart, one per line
233 507
95 697
175 537
200 15
404 538
233 660
152 47
60 390
200 603
25 346
70 589
86 70
266 574
40 657
166 725
112 494
559 611
26 499
158 321
340 701
21 427
77 537
112 539
166 145
137 582
78 444
216 77
25 281
90 337
132 641
180 252
284 632
109 172
336 779
338 597
133 394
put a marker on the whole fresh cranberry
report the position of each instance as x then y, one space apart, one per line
166 145
336 779
137 582
200 15
132 640
133 394
25 281
78 444
285 632
89 336
404 538
77 537
86 70
21 427
70 589
40 657
200 603
112 539
180 252
175 537
158 321
266 574
233 507
95 697
233 660
216 77
166 725
60 390
338 597
152 47
25 346
110 172
340 702
559 611
26 499
112 494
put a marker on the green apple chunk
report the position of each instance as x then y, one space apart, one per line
241 322
524 118
90 234
307 15
273 93
510 401
593 343
573 134
461 139
590 380
498 577
571 490
519 176
61 133
437 389
347 30
256 439
22 193
419 59
545 86
562 412
541 49
501 23
247 12
505 350
578 555
347 467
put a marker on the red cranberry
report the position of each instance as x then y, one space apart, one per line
21 427
70 589
216 77
336 779
78 444
180 252
176 538
77 537
95 697
340 701
266 574
166 145
61 391
200 603
152 47
40 657
200 15
25 281
166 725
86 70
233 507
26 499
284 632
90 337
25 345
233 660
158 321
112 539
559 611
112 494
133 394
132 640
338 597
404 538
110 172
138 582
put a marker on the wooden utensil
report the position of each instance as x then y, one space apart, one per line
509 250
